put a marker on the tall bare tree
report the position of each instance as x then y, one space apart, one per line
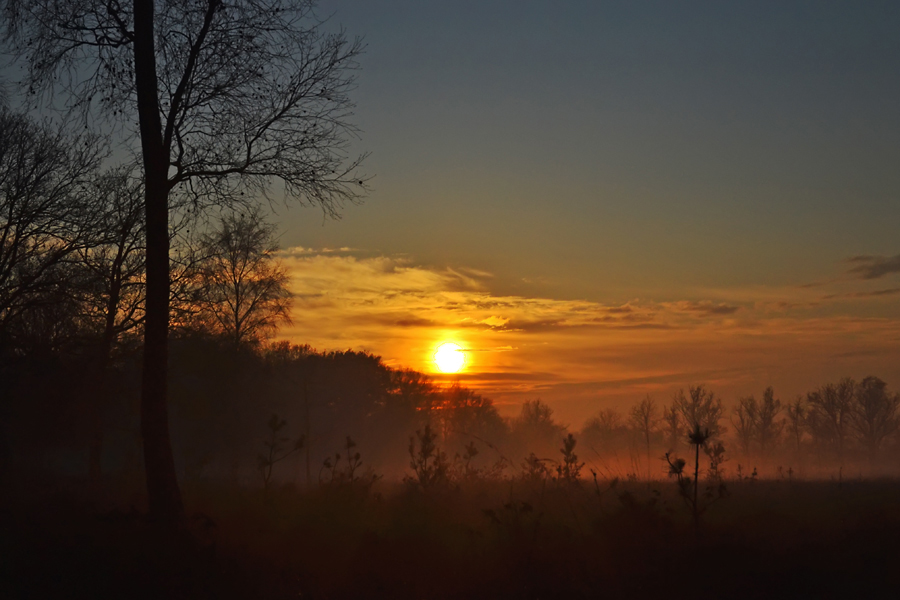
228 99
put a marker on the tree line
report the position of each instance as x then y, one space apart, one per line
831 426
215 103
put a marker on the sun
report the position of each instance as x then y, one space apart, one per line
449 358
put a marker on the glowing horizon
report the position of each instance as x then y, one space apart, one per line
583 355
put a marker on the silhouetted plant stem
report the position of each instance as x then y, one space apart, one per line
696 483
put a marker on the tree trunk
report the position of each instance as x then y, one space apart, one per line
102 389
649 475
696 485
163 494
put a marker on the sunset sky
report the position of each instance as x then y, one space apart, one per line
600 200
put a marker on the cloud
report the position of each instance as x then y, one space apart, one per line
624 309
706 308
874 267
301 251
870 294
574 352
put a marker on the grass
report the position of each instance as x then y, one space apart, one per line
483 539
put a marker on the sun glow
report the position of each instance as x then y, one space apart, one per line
449 358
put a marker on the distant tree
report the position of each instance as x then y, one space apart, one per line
672 426
768 424
744 418
604 430
463 414
536 414
830 414
701 408
758 422
535 426
243 292
796 421
412 390
875 414
282 353
227 98
643 419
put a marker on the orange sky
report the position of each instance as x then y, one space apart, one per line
601 200
581 356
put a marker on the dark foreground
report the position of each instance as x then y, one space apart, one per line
767 539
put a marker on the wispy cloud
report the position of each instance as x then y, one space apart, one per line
706 308
874 267
579 351
869 294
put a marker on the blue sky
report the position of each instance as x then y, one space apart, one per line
608 151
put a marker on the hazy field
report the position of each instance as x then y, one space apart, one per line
487 539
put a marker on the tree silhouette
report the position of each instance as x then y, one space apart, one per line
768 425
604 430
644 419
672 425
243 291
796 421
46 175
228 98
828 419
536 427
700 408
875 414
744 418
111 290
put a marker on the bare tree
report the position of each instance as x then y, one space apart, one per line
228 99
744 418
875 414
701 408
45 176
111 290
535 425
830 409
113 293
673 426
603 431
796 421
644 419
768 425
243 288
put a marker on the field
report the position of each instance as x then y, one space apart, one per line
481 539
